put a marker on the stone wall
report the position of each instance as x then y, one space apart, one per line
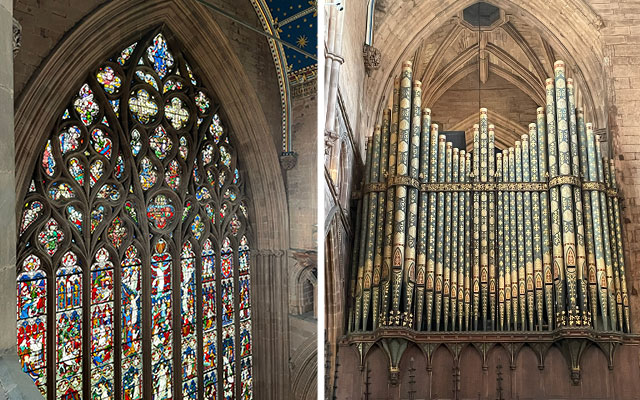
352 72
621 42
497 95
46 22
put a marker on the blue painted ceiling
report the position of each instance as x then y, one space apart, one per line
295 23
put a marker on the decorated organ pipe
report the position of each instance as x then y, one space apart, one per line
524 238
545 222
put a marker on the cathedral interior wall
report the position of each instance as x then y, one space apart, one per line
48 27
603 38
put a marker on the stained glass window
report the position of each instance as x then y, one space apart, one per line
136 221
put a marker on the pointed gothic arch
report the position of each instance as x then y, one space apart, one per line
61 74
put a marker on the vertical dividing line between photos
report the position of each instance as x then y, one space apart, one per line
321 337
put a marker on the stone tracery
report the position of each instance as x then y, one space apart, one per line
103 217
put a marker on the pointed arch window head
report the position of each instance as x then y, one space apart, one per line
133 245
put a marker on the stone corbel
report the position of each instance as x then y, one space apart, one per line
372 57
394 349
288 160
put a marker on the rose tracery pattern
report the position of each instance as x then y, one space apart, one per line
131 185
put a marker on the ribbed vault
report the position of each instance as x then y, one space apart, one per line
518 49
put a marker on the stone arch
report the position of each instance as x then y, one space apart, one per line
197 31
303 274
305 362
194 27
577 40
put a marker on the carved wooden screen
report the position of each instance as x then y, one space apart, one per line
133 255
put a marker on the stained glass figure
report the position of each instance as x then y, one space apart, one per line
160 142
126 54
101 143
160 211
159 55
114 199
76 169
147 78
173 174
61 191
172 84
32 332
102 325
70 139
188 313
148 174
75 217
228 362
131 292
86 105
48 163
69 328
136 144
30 214
50 237
95 172
109 80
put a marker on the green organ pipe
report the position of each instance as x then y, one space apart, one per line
529 238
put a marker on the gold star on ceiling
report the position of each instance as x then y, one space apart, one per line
302 41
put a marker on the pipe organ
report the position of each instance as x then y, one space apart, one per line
520 239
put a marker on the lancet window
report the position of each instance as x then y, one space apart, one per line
134 250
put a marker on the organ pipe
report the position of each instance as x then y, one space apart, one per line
523 238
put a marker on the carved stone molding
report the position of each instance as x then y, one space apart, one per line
288 160
330 139
269 253
17 37
372 57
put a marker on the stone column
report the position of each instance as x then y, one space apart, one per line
271 324
14 384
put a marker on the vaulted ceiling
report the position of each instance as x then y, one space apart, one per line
499 63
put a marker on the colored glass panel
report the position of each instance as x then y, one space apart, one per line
86 106
161 317
92 152
159 55
32 322
69 328
102 315
160 143
131 297
70 139
100 142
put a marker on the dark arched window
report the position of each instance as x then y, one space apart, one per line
133 255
